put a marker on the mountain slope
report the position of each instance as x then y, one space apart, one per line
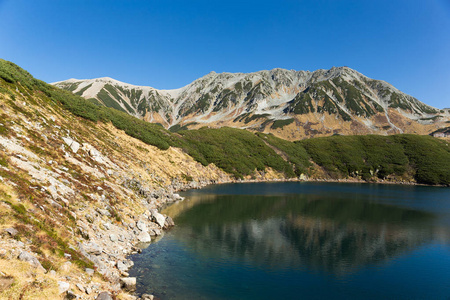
323 102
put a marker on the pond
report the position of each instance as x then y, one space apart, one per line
296 240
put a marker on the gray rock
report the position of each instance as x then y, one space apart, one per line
104 212
81 288
113 238
177 197
158 218
104 296
144 237
11 231
89 271
156 231
107 226
124 265
63 286
88 290
26 256
169 222
141 225
147 297
128 284
92 248
72 144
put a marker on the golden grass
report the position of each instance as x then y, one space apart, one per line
28 283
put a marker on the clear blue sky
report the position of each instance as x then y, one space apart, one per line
169 43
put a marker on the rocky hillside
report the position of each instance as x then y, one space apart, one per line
291 104
76 196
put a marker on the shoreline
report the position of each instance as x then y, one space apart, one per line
243 181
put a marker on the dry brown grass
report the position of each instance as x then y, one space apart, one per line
28 283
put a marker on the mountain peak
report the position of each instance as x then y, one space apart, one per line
328 98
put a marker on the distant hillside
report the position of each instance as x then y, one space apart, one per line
290 104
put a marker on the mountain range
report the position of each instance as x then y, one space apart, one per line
291 104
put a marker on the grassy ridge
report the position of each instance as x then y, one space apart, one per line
239 152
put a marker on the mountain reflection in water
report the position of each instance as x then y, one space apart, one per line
302 240
336 235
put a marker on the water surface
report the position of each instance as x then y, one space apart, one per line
302 240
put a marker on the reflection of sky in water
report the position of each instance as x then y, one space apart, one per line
325 237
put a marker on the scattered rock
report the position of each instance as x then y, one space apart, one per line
104 296
141 225
11 231
63 286
104 212
88 290
144 237
158 218
81 288
113 238
128 284
124 266
89 271
168 223
26 256
147 297
177 197
92 248
72 144
107 225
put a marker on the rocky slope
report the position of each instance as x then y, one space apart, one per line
291 104
76 198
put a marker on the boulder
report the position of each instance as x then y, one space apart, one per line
147 297
168 223
158 218
63 287
28 257
128 284
177 197
72 144
89 271
11 231
141 225
104 296
81 288
144 237
124 265
92 248
113 238
104 212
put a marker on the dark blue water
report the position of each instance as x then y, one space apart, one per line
302 241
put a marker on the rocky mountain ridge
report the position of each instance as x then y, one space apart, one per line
290 104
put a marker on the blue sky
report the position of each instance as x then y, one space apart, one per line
169 43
